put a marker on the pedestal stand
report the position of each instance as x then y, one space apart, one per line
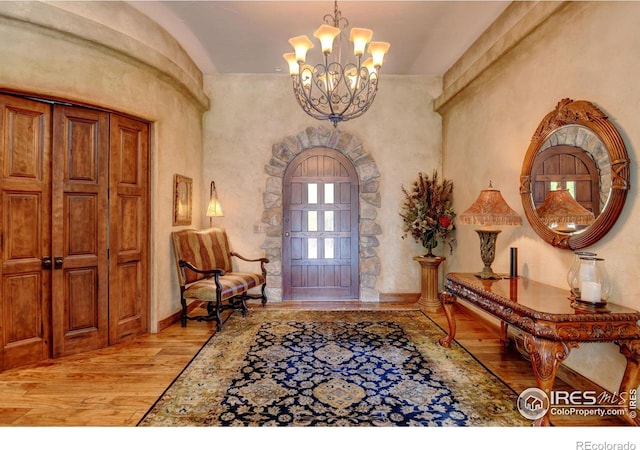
429 282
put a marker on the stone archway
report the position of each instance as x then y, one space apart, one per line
368 174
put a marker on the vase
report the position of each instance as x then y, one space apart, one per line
429 265
429 242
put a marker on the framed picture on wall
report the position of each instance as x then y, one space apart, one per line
182 200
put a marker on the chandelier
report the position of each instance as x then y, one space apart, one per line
335 90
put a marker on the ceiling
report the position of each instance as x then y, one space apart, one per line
426 37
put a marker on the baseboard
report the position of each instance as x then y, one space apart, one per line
566 374
175 317
399 297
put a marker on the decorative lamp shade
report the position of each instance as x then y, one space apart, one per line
559 207
360 38
378 50
326 34
214 209
290 58
490 208
368 63
301 45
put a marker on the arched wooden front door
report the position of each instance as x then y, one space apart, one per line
320 227
567 167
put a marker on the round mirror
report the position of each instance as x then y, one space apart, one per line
575 176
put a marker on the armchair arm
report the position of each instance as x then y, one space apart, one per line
262 261
266 260
190 266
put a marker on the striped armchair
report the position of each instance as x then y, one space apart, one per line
205 273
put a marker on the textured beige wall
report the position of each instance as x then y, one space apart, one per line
251 113
46 50
587 51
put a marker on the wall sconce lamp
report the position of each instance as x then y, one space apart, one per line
559 210
488 210
214 209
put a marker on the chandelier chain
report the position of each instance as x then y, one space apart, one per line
336 19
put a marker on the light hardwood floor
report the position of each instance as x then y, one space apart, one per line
117 385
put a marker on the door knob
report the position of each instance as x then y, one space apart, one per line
286 234
57 262
46 262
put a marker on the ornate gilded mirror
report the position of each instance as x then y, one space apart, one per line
575 176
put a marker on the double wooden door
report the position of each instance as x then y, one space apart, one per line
73 237
320 252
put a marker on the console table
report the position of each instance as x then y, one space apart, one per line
551 324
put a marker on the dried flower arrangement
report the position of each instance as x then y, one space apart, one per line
428 213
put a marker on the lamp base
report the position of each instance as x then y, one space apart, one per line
487 253
487 274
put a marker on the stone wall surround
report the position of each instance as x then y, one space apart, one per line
370 201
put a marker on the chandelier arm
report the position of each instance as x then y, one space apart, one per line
348 97
306 100
351 93
329 92
356 85
325 106
365 103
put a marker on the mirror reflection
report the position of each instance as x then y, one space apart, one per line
571 179
575 175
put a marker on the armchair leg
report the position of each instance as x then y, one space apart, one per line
243 304
264 296
183 316
217 313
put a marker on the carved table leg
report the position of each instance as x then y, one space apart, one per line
630 379
448 301
546 356
504 334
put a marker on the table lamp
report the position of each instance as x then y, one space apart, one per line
489 210
560 209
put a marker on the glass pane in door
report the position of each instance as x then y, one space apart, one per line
312 220
312 193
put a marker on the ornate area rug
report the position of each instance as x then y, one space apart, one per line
326 368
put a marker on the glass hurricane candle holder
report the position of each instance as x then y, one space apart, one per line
592 284
574 272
